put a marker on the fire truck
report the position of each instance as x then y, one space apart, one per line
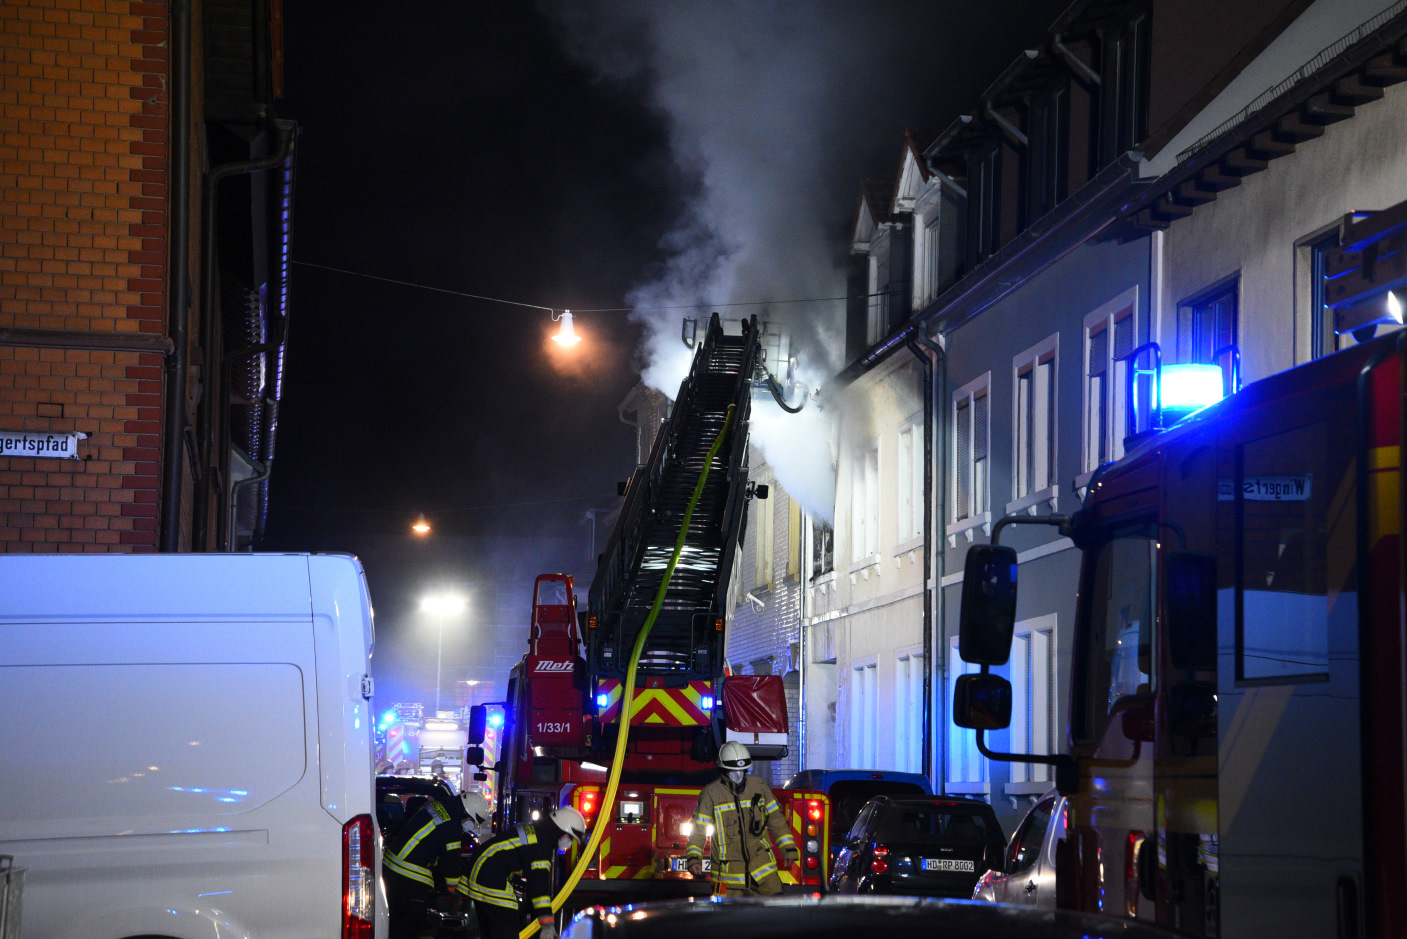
1235 760
565 704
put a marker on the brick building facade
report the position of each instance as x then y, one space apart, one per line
117 117
83 167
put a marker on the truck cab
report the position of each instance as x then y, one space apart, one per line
1235 738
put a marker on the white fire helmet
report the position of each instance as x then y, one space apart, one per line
570 822
476 807
734 756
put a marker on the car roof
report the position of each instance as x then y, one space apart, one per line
901 801
823 779
416 785
813 916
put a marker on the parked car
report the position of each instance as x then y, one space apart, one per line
934 846
849 790
1026 876
812 916
399 797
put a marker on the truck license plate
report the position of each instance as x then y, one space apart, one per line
679 864
944 864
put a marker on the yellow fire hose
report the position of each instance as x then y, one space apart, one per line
598 830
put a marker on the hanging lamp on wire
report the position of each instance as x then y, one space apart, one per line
566 335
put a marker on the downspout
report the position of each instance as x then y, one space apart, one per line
934 378
179 287
200 524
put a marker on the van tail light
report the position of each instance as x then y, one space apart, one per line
358 879
878 864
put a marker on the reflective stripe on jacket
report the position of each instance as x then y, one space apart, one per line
739 820
526 850
429 841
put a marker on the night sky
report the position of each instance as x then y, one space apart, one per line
567 156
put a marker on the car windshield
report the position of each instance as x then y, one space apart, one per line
849 796
932 823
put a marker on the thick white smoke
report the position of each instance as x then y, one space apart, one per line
773 109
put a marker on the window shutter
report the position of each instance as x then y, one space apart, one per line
1123 336
1098 351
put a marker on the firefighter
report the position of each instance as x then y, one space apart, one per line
739 808
423 854
523 851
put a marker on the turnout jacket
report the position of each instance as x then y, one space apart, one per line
739 848
429 841
526 850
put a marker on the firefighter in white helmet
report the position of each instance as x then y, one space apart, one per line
739 809
527 851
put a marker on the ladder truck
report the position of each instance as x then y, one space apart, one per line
565 704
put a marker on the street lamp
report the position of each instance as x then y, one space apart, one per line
442 605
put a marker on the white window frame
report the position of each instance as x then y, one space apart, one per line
1045 488
978 477
1112 395
1034 694
864 712
765 532
908 710
967 767
864 506
909 508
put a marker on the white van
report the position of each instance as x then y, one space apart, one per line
185 746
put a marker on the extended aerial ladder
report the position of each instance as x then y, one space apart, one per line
566 711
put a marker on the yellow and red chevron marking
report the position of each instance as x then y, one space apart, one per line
798 821
670 707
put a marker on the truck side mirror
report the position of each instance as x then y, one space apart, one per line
478 724
474 756
982 702
987 616
1191 608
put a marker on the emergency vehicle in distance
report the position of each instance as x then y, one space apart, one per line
564 707
1236 734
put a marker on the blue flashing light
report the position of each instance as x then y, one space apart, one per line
1191 387
389 717
226 799
602 701
495 720
706 702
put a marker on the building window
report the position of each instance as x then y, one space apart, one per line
908 713
877 309
864 715
984 206
1048 151
822 548
965 762
910 466
1033 695
1110 335
793 539
971 441
1033 417
1322 340
933 256
864 504
766 532
1206 325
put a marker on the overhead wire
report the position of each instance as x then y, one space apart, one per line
602 309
